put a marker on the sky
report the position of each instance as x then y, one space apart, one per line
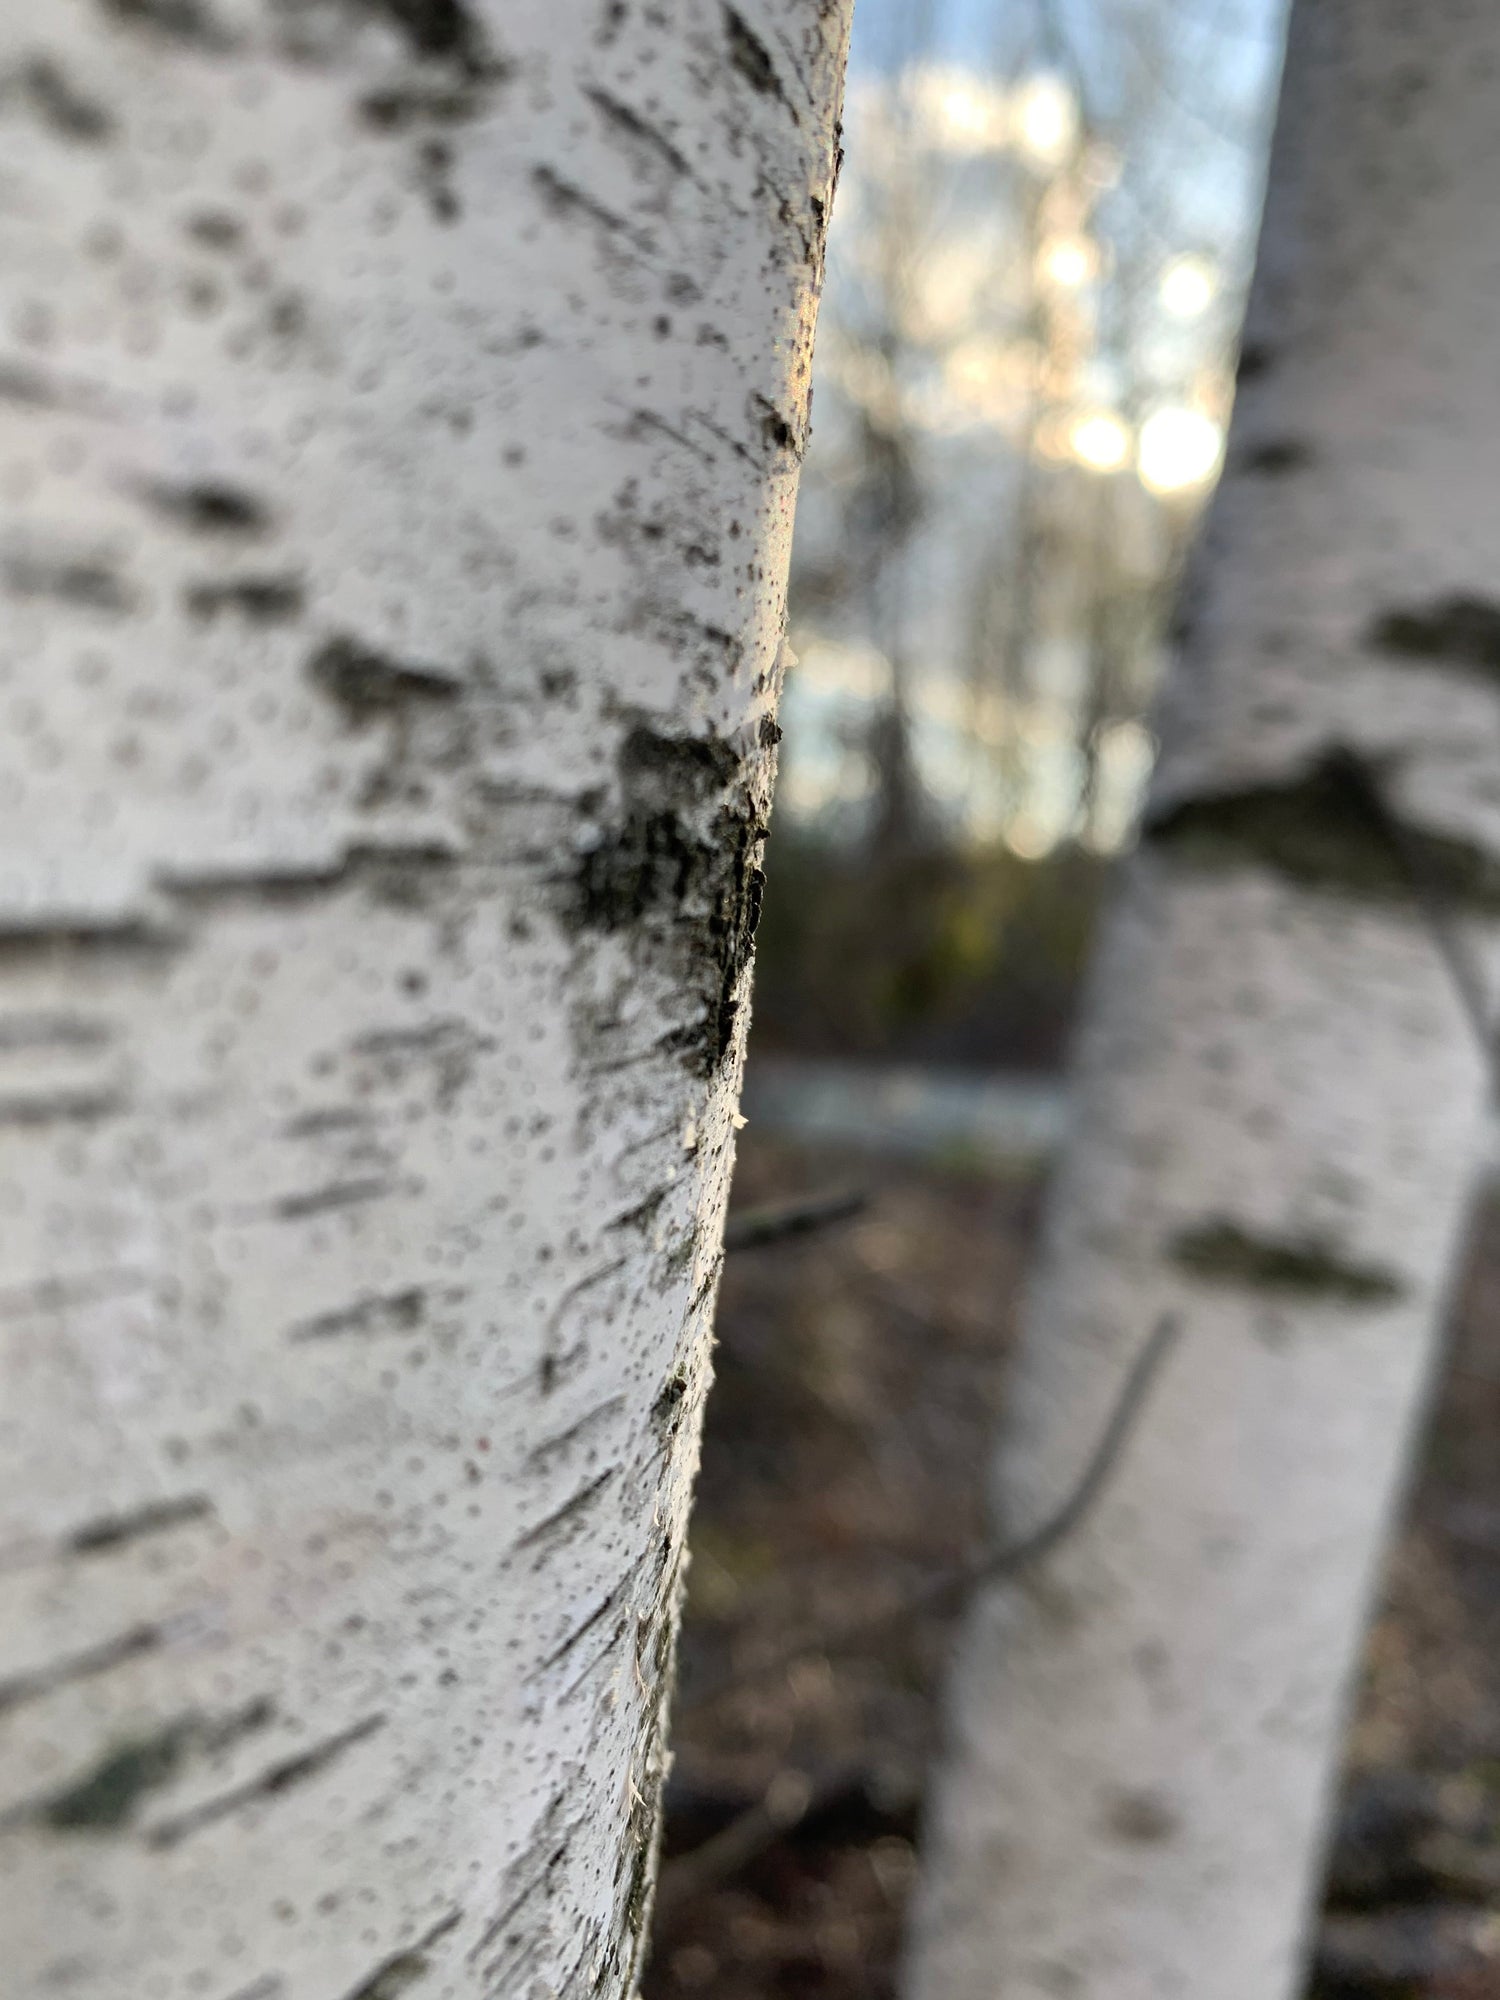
1181 93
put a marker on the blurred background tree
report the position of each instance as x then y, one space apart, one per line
1038 269
1024 372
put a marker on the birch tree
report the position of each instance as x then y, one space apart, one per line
402 408
1280 1106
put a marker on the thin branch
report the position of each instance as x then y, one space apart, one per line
743 1840
795 1218
991 1564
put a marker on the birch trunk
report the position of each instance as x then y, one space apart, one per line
402 406
1281 1106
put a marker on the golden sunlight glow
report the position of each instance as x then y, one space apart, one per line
1188 285
1068 261
1178 448
1046 121
1099 440
959 111
948 289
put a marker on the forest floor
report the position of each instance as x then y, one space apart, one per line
860 1372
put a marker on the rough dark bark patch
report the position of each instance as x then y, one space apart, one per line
680 866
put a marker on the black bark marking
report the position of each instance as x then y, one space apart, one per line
113 1531
1221 1252
434 166
400 107
576 1504
547 1852
1310 831
51 938
649 420
1274 456
776 432
53 1031
1460 630
80 1107
630 122
64 107
640 1213
272 1783
736 445
580 1632
400 873
551 1358
56 1295
92 585
431 1039
128 1645
366 683
27 386
1255 358
668 1404
447 1047
209 507
682 868
751 58
109 1795
260 600
338 1194
401 1971
331 1118
1142 1819
595 1660
442 30
540 1453
386 1312
176 20
215 229
564 198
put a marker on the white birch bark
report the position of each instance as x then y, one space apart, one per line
1281 1107
402 406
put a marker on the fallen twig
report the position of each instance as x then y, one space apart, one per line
758 1226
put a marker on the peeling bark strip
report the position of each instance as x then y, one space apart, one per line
1281 1107
397 557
